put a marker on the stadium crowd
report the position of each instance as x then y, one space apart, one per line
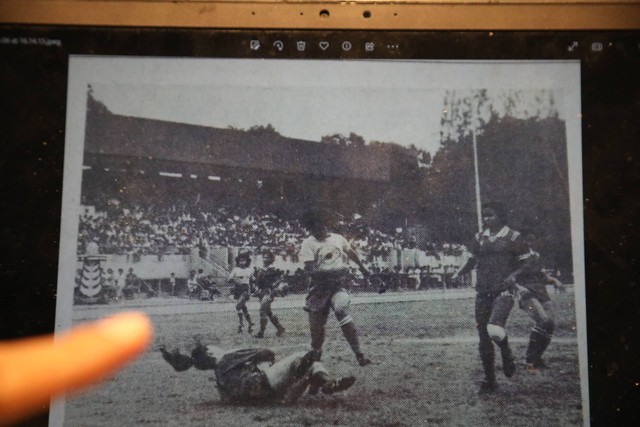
149 230
155 231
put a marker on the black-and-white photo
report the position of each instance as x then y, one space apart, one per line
385 243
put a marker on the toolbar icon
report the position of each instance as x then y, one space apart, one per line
596 47
346 46
254 44
324 45
301 45
369 46
573 46
278 45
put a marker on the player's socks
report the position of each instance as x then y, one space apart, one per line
488 387
351 335
201 359
317 338
487 356
340 384
295 390
249 322
508 361
178 361
362 359
263 327
275 321
538 343
278 326
317 381
488 363
305 364
241 321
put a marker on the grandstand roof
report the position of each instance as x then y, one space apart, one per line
117 135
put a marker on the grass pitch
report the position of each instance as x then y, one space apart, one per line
425 372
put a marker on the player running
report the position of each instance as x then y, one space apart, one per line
495 254
253 376
240 278
268 282
326 257
534 299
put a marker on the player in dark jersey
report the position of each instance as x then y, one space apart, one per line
326 257
533 298
495 255
253 376
240 278
269 285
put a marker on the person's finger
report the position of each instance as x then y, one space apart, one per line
33 370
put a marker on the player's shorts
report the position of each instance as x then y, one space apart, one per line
493 308
266 299
265 305
535 290
247 384
239 290
324 286
242 299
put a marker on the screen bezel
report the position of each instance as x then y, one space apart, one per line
443 15
268 15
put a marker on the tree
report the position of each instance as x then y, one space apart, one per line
353 139
268 130
466 112
522 161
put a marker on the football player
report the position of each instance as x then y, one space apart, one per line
326 257
240 278
534 299
253 375
495 255
269 284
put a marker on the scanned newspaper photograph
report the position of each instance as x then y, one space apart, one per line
353 243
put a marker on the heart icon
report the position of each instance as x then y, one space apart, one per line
324 45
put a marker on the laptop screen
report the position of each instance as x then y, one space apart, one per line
168 170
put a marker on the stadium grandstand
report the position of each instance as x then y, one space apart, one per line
164 197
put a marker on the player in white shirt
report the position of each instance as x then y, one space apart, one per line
240 277
326 257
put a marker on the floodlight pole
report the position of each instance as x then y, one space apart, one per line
474 276
477 178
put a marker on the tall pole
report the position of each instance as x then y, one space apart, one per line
474 277
477 179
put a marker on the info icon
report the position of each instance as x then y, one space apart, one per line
346 46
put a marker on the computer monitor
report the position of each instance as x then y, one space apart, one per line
153 144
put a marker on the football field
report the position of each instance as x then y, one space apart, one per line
425 369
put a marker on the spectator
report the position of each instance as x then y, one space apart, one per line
172 283
121 282
192 284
